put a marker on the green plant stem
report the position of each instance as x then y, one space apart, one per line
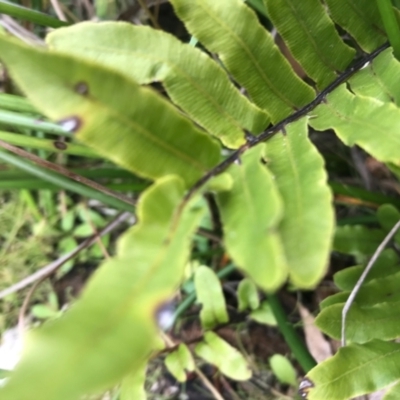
46 144
107 173
42 163
16 103
297 346
27 14
38 184
64 183
391 25
16 179
23 121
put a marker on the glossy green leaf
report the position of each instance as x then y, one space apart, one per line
386 264
311 37
283 369
355 370
188 74
231 29
111 330
248 296
264 314
307 226
179 362
250 221
363 121
209 294
225 357
357 240
376 79
132 386
361 19
83 97
362 323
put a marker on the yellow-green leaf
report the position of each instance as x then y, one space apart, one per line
111 330
110 113
264 314
248 297
354 370
179 362
132 386
361 19
188 74
311 37
307 225
376 79
363 121
225 357
251 212
283 369
231 29
209 294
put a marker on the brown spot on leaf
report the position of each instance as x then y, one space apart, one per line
304 387
60 145
82 88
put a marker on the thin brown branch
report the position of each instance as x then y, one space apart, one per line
208 384
64 171
362 278
146 9
208 234
25 304
58 10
